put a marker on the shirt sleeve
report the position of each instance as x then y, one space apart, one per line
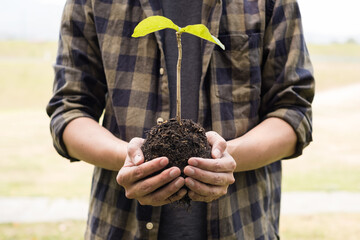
79 87
288 82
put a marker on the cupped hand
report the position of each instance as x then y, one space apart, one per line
135 177
209 179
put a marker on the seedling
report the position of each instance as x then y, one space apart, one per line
177 139
156 23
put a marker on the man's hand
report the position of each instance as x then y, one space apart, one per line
157 190
208 179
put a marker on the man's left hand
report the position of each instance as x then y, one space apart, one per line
208 179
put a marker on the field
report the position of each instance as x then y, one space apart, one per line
30 166
331 162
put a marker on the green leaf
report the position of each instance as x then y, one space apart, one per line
202 31
153 24
156 23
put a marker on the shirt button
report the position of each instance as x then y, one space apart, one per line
159 120
162 71
149 226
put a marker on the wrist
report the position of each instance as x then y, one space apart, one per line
120 153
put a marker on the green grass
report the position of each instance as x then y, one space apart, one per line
335 65
331 162
67 230
335 49
26 74
31 50
320 227
334 178
30 166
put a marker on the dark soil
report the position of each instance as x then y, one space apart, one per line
177 142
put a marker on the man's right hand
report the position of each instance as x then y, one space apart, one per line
157 190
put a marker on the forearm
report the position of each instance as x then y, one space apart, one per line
272 140
86 140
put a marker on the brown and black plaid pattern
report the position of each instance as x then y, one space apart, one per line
264 72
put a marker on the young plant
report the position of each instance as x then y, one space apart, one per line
156 23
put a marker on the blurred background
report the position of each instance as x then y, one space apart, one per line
43 196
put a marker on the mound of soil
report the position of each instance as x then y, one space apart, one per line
177 142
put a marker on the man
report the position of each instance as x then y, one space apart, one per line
254 98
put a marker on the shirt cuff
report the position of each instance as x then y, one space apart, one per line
57 126
300 122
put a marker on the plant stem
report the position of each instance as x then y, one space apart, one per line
178 78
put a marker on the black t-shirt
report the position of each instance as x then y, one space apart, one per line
176 221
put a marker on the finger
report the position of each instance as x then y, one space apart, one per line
199 198
204 192
178 195
218 144
134 151
224 164
131 174
169 193
149 185
212 178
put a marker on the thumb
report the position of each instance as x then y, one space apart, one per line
218 144
135 155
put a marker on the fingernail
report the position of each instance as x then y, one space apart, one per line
173 173
193 162
178 183
190 171
217 153
191 182
164 162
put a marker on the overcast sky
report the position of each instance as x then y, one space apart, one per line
323 20
330 20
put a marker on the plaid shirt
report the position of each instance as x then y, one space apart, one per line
264 72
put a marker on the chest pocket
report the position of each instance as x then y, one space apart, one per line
237 69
